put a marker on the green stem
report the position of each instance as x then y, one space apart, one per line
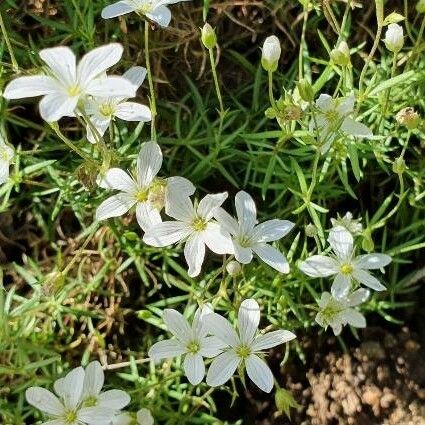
15 66
271 97
150 80
388 92
216 84
417 43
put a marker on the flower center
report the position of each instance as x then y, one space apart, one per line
330 312
70 417
142 195
243 351
346 269
90 401
244 241
74 91
332 116
146 7
106 110
193 347
199 224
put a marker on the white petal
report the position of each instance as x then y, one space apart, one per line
97 61
198 327
346 107
368 280
208 205
114 399
372 261
272 257
194 368
72 388
228 222
93 379
161 15
356 129
116 9
180 187
354 318
222 368
147 215
32 86
115 206
357 297
246 211
118 179
44 400
61 60
57 105
166 233
166 349
132 111
341 241
211 347
194 253
136 75
242 254
54 422
248 320
341 285
122 419
217 239
272 339
259 373
101 125
95 415
111 87
179 207
4 171
221 328
149 163
178 325
324 300
324 102
272 230
319 266
144 417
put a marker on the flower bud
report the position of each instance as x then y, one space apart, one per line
409 118
420 6
233 268
399 165
311 230
305 89
341 55
208 37
394 38
285 401
271 53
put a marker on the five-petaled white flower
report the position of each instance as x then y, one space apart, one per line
6 155
155 10
67 407
333 116
65 83
249 237
195 226
102 110
344 265
147 191
243 348
143 417
191 341
336 312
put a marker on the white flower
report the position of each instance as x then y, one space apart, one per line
6 156
248 237
155 10
148 192
394 38
67 408
271 53
336 313
191 341
65 83
143 417
195 226
344 265
352 225
332 116
102 110
244 348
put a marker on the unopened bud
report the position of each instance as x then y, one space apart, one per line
285 401
306 91
311 230
341 55
409 118
367 242
271 53
420 6
399 165
208 37
394 38
233 268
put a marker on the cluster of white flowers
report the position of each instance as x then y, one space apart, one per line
213 336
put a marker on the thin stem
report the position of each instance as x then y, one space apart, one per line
151 88
216 84
271 97
15 65
301 52
387 94
417 43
